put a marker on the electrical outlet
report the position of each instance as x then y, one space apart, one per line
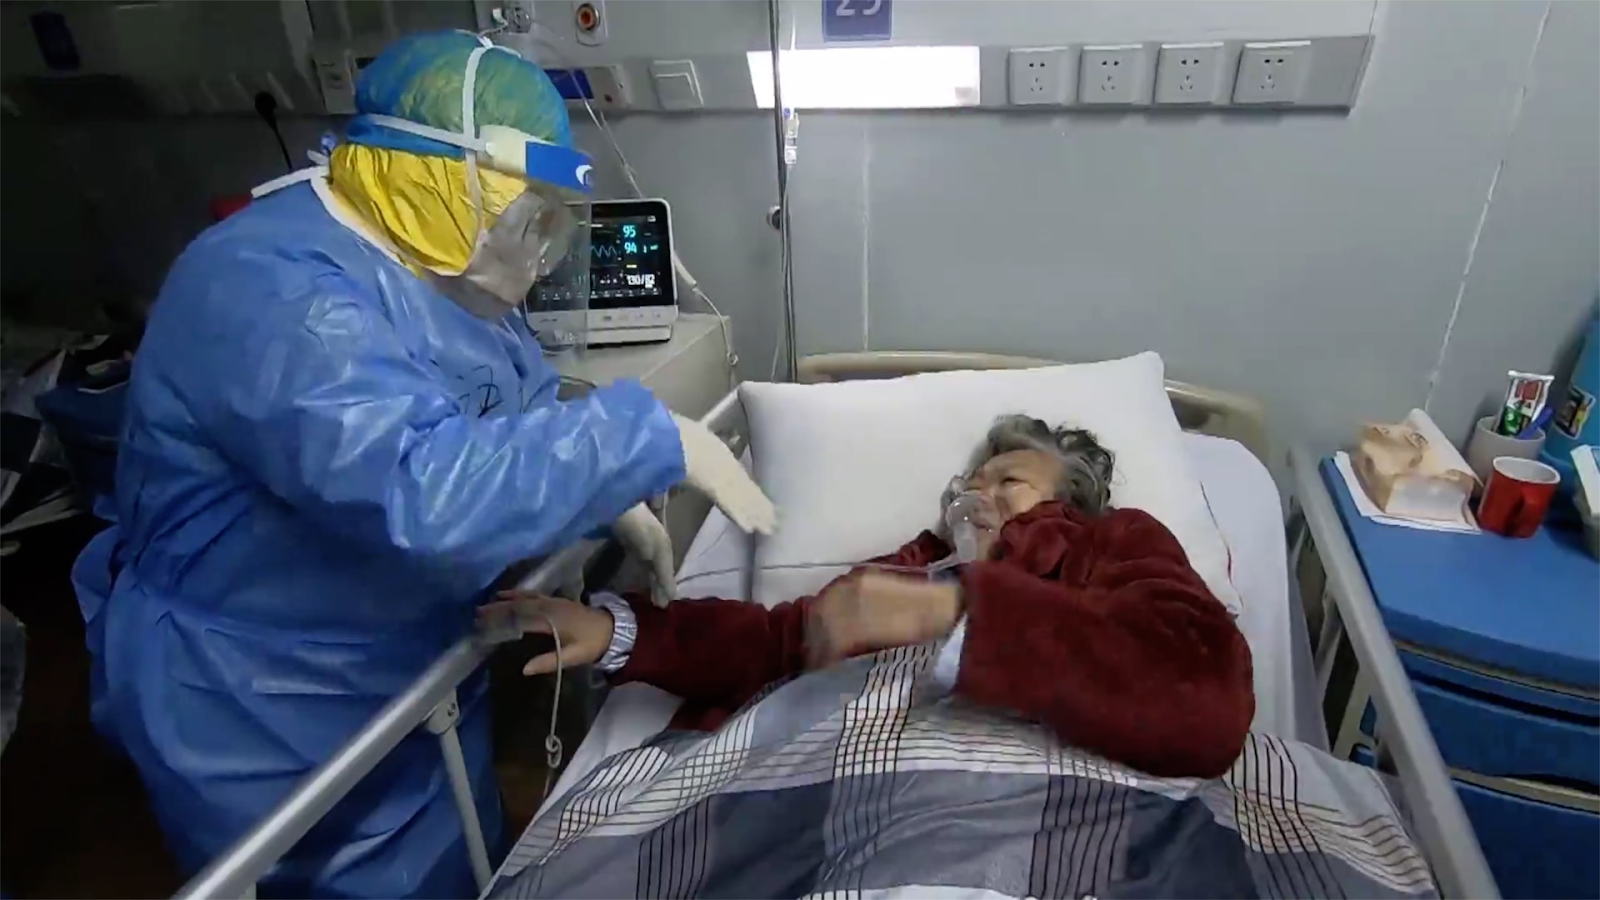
1189 73
1038 76
1272 72
612 87
1112 74
677 84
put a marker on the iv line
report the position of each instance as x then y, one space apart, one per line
496 634
554 751
552 742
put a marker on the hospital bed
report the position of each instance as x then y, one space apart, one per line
1226 447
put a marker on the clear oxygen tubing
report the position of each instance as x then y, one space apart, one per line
552 741
966 519
554 751
510 630
927 570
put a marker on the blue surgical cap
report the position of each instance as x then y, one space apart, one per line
418 78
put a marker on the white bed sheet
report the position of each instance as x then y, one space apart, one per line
1244 501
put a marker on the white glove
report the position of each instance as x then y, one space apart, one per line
645 537
713 470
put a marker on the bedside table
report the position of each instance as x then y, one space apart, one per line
1501 640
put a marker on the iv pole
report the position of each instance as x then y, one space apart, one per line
791 358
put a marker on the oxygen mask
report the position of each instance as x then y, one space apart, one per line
971 519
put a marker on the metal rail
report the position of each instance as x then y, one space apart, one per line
726 420
1441 823
235 873
430 700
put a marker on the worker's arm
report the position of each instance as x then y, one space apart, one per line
1122 649
719 653
329 410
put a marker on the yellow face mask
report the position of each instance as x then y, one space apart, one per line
420 203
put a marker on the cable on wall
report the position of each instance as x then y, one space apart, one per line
1488 199
629 174
786 247
267 109
866 235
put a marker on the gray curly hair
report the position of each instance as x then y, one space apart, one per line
1086 466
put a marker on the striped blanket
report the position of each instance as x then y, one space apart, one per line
865 780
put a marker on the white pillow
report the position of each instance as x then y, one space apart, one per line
857 468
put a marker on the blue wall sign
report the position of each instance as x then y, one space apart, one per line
856 20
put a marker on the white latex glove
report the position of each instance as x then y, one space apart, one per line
645 537
713 470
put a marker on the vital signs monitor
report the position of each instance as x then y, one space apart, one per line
633 296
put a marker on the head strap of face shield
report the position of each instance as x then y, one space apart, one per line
469 125
502 148
510 151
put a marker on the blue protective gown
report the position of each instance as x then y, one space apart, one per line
325 464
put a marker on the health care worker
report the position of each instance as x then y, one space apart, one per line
339 433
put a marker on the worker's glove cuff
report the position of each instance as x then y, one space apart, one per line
624 631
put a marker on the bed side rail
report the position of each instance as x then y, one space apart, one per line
429 699
726 420
1441 823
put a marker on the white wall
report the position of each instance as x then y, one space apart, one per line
677 28
1310 259
1533 281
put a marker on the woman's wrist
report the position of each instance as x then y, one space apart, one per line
622 630
934 608
945 607
897 611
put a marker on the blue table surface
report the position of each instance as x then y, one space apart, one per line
1528 606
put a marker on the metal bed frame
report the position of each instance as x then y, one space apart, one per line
1440 823
1351 620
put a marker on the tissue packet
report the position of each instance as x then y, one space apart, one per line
1410 470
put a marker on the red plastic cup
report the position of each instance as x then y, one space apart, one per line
1517 496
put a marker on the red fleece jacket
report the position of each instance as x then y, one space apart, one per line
1095 626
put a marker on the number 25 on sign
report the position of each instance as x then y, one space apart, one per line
856 20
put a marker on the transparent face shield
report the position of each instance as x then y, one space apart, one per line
556 302
535 254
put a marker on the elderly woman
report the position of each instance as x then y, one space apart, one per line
1086 618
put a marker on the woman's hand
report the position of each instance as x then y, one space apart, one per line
584 633
875 611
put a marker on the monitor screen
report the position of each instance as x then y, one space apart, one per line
626 263
630 259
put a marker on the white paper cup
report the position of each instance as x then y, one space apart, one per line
1486 446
